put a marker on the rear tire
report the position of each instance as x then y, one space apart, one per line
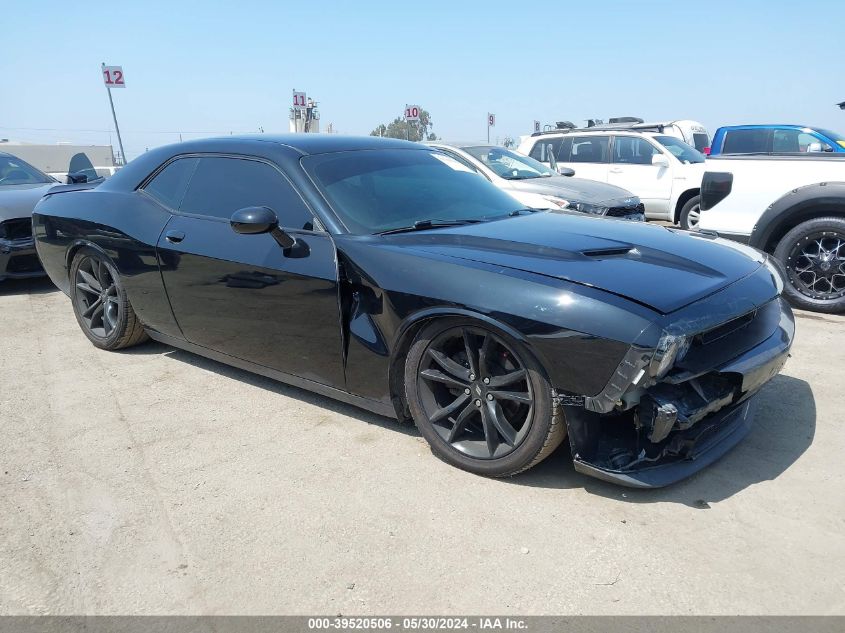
691 214
813 257
480 398
100 304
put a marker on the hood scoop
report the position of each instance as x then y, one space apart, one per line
600 253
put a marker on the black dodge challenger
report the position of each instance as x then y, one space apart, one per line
384 274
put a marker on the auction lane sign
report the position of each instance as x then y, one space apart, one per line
113 77
412 113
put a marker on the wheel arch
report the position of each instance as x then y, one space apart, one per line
411 326
794 208
77 245
685 197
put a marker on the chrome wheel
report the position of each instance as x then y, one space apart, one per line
96 297
816 265
475 392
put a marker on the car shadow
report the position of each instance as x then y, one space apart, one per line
275 386
32 286
783 429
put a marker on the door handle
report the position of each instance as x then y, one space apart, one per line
615 170
174 237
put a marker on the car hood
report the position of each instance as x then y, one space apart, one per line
662 268
577 190
18 201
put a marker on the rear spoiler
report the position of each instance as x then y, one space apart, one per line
77 187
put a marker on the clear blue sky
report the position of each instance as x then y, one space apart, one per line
205 68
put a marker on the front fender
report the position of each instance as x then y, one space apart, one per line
799 205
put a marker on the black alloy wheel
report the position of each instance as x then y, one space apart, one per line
100 303
97 296
813 257
816 265
481 401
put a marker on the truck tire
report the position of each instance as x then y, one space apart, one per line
813 256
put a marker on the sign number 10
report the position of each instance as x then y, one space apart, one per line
113 77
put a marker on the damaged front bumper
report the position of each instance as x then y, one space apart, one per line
19 260
666 430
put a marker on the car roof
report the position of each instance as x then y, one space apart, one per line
322 143
460 144
758 126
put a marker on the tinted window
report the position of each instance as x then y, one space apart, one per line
221 186
561 147
701 141
633 150
746 141
14 171
168 187
796 141
680 150
378 190
509 165
589 149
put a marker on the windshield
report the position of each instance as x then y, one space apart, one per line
373 191
14 171
680 150
509 165
834 136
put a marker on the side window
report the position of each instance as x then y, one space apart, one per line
632 150
589 149
746 141
540 151
168 187
221 186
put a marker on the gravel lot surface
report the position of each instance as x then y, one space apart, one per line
155 481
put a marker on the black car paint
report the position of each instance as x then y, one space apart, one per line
337 316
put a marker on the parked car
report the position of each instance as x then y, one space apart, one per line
663 171
21 187
774 139
540 187
372 271
790 206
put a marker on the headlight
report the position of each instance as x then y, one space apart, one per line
560 203
670 349
777 276
586 207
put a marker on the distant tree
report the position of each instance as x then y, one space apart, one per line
413 130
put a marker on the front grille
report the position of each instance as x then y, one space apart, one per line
624 212
17 229
23 264
710 336
727 341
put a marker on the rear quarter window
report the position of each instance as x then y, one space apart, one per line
170 184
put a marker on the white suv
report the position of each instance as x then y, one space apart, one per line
661 169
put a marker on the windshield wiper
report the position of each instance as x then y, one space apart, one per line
422 225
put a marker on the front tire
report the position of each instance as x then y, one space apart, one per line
480 399
100 304
813 256
691 214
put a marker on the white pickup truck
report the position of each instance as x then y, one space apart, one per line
791 206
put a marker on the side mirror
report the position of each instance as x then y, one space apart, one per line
566 171
814 147
257 220
659 160
77 178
